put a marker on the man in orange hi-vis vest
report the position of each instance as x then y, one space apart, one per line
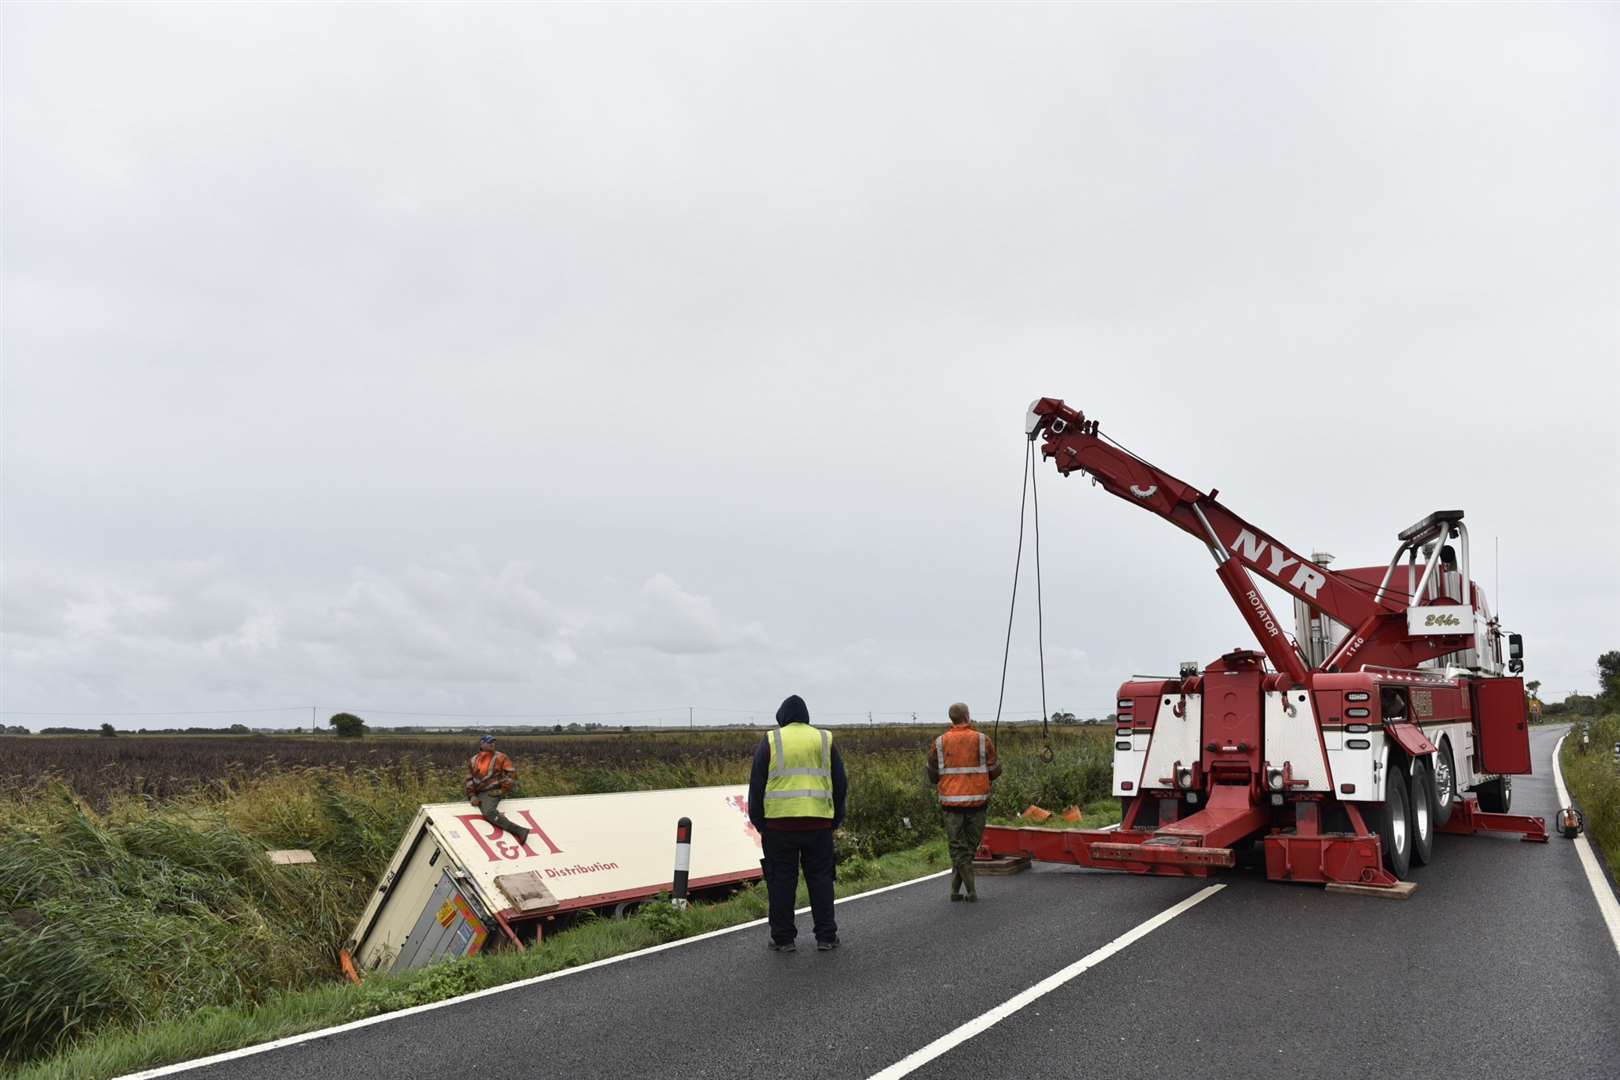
490 776
963 763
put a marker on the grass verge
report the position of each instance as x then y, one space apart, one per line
116 1050
1594 783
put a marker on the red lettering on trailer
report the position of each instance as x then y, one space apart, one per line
570 871
741 804
499 847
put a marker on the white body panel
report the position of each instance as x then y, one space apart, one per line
1175 739
1362 766
1440 619
1128 763
1292 740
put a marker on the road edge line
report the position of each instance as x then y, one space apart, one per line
1606 902
985 1021
488 991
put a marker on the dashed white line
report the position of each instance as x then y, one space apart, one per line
1583 847
952 1039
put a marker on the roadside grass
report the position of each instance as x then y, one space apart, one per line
1096 814
1594 783
122 1049
127 910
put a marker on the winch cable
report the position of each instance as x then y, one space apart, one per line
1027 488
1006 649
1040 617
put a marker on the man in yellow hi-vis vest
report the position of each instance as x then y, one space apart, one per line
796 796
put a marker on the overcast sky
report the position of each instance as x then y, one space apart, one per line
563 360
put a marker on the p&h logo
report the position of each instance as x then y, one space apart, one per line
498 846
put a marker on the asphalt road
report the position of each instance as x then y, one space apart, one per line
1498 966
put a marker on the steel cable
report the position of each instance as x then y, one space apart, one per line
1018 560
1040 616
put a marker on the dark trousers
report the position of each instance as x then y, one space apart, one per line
785 852
963 831
489 805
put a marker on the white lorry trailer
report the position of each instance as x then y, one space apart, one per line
456 880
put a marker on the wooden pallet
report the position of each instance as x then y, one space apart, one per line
1004 864
1401 890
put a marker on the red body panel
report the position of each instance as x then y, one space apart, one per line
1501 726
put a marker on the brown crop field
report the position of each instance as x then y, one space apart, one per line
163 767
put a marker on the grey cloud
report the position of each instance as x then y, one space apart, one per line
590 357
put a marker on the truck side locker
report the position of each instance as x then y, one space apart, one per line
1501 725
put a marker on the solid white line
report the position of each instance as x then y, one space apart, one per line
310 1036
949 1041
1583 847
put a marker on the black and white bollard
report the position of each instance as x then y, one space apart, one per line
683 861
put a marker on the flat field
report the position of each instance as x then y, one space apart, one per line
134 887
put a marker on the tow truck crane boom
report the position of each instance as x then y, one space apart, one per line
1377 616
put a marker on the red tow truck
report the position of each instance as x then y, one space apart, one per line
1394 710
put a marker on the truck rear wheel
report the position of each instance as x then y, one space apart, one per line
1393 824
1445 784
1420 800
1496 797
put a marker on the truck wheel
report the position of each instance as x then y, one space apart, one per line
1420 798
1445 784
1393 824
1496 796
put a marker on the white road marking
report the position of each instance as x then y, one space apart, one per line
950 1040
310 1036
1583 847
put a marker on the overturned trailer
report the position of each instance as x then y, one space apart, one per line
456 881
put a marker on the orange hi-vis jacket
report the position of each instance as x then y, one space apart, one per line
965 757
487 769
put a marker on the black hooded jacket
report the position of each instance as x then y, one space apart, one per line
793 711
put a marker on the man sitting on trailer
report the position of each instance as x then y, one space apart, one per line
490 776
963 763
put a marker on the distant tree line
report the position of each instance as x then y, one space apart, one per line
1070 718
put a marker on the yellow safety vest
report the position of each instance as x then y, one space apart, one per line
799 783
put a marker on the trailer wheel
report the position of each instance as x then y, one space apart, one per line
1393 824
1496 796
1420 792
1445 784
